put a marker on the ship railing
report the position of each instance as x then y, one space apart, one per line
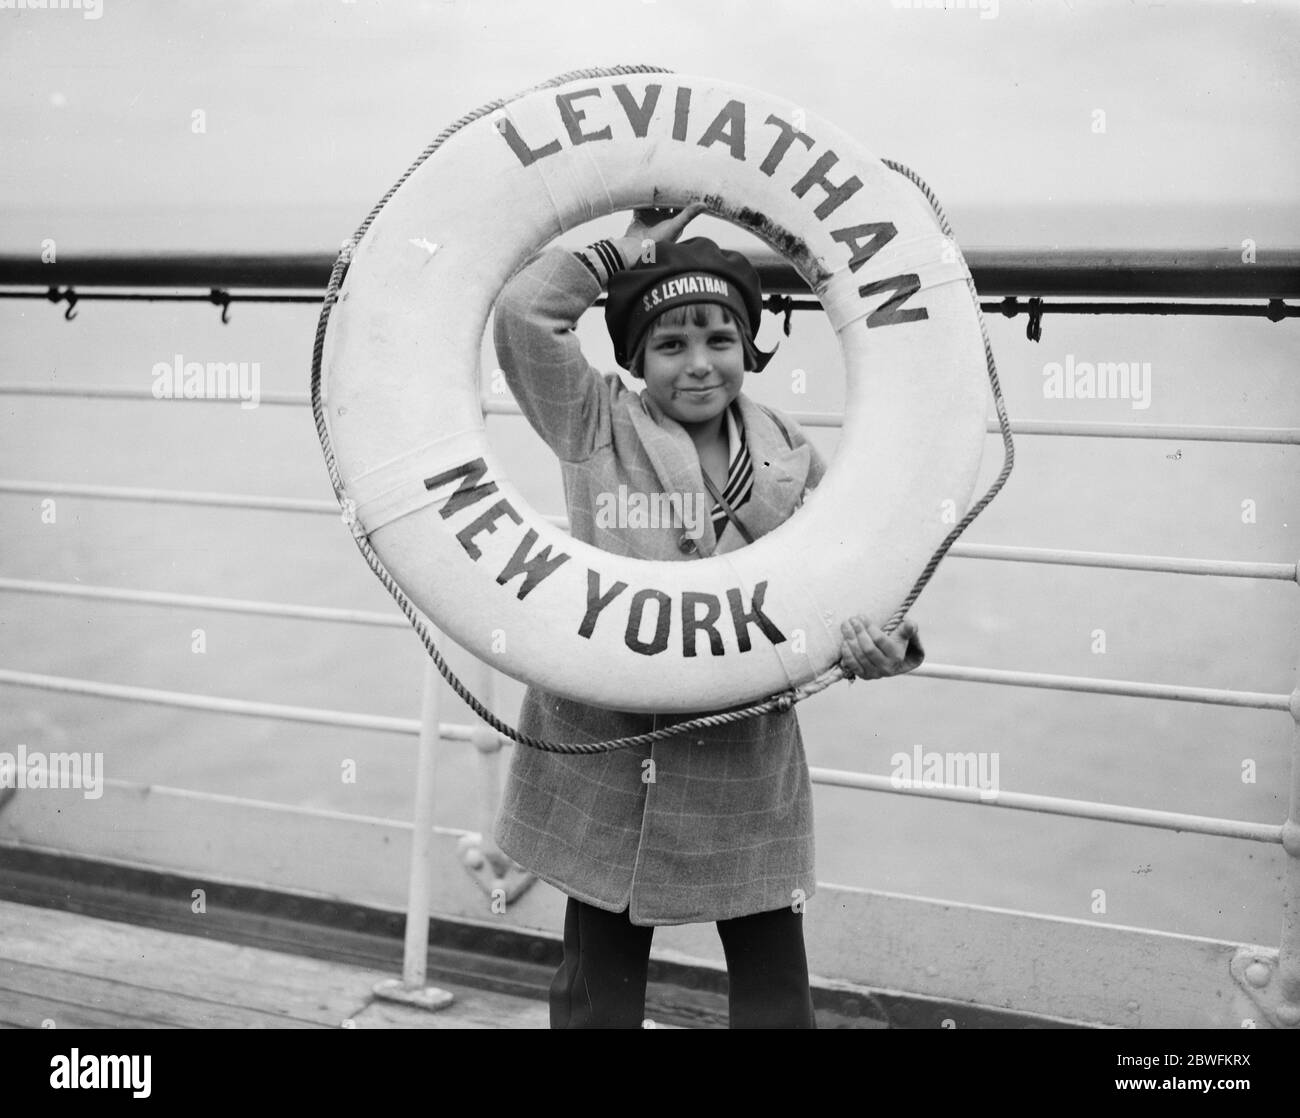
1198 282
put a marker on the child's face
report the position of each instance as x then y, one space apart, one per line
694 371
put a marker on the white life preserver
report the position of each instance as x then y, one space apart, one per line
402 401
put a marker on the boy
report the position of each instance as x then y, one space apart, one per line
717 826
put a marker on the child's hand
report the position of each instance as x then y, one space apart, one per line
867 652
661 226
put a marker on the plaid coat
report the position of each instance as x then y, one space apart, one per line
725 828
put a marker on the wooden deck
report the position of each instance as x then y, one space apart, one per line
82 972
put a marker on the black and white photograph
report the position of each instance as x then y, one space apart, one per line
651 514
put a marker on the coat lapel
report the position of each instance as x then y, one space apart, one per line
780 476
673 456
780 472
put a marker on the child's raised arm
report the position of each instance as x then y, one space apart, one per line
564 397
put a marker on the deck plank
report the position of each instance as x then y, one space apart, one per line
60 989
85 972
23 1011
312 990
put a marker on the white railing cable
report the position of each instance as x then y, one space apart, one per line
1128 688
1052 805
1165 564
171 497
128 392
1055 805
1169 564
1185 432
198 601
1124 688
216 705
1166 431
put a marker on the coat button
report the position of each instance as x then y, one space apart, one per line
686 545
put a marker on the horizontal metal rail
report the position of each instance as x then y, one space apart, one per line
1055 805
1165 564
1176 432
122 392
1012 306
1120 273
196 601
1123 688
1214 696
216 705
218 297
303 811
1275 310
1052 805
1173 432
173 497
1168 564
1070 428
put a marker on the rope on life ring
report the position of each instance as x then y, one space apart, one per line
778 702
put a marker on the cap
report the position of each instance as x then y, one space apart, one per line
693 271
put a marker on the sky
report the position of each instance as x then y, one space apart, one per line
311 109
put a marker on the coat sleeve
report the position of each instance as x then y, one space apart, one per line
565 399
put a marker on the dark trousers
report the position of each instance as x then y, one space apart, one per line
601 983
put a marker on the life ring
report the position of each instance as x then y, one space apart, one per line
401 354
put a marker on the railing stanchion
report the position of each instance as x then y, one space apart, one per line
487 743
1288 961
498 876
415 954
411 989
